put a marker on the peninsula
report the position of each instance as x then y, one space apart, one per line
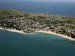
31 22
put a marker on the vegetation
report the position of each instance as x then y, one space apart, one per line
31 22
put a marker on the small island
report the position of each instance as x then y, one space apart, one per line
32 22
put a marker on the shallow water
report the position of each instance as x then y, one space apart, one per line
38 44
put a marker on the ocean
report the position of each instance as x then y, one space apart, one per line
52 8
36 44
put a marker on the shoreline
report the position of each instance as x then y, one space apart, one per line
42 31
62 36
12 30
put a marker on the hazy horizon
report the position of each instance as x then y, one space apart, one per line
42 0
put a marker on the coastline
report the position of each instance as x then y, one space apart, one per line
42 31
12 30
63 36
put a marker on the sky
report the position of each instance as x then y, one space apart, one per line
43 0
51 0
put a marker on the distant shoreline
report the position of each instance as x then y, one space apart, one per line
42 31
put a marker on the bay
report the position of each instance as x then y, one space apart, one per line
36 44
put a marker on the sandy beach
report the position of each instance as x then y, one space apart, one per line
12 30
63 36
42 31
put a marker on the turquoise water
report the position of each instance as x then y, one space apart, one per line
36 44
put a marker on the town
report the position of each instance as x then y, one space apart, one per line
31 22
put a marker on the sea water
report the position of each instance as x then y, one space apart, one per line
36 44
52 8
